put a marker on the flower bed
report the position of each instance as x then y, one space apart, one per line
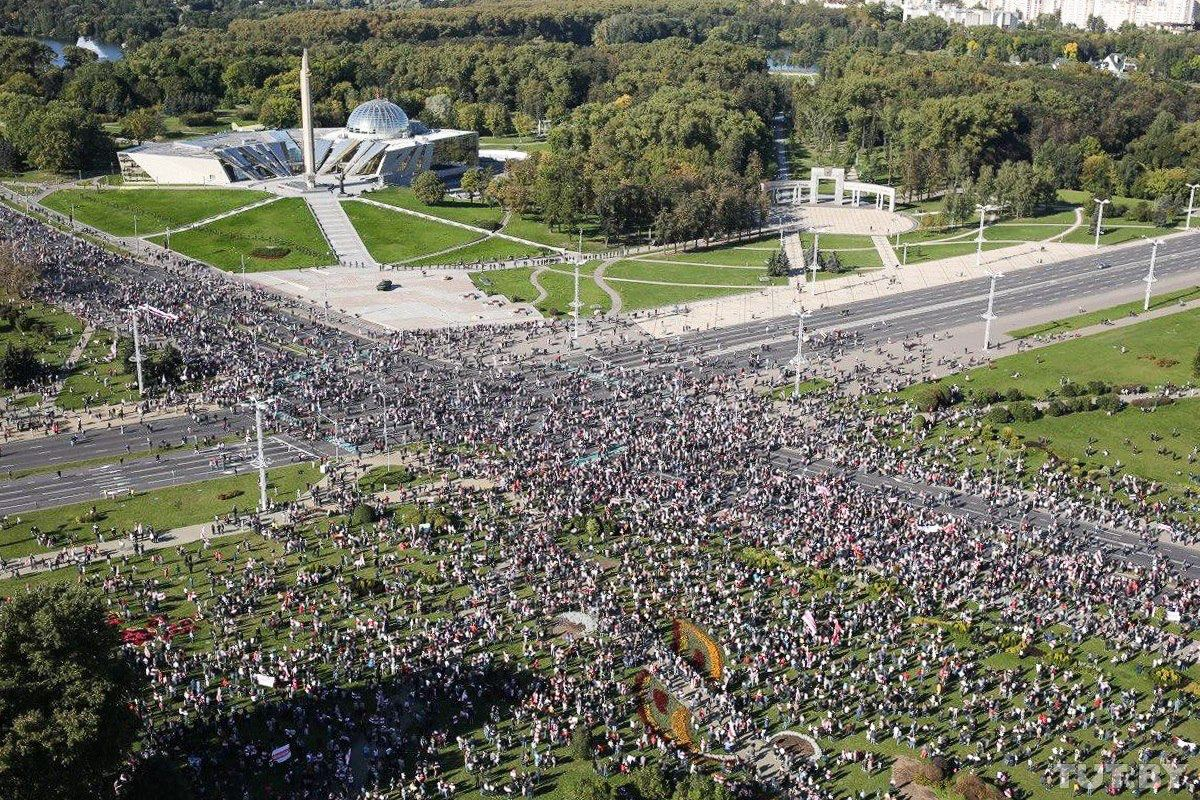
699 648
661 712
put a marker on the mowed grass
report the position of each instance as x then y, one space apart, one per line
662 271
114 210
1090 318
1116 233
285 224
931 251
1152 353
558 281
395 237
484 251
478 214
751 253
512 283
537 231
97 381
853 251
49 332
167 508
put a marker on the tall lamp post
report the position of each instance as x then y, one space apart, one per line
990 314
800 361
1100 204
1191 205
1150 279
137 338
261 460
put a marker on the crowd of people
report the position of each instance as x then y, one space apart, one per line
419 655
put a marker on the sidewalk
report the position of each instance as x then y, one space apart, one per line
339 230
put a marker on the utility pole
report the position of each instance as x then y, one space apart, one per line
1191 205
386 449
816 244
262 459
989 316
1099 219
800 361
983 209
1150 279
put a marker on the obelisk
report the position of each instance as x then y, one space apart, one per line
306 135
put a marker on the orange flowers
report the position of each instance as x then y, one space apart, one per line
703 651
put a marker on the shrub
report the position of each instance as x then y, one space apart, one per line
999 415
362 514
1056 408
232 493
972 787
1014 394
1070 389
932 398
581 742
985 397
1025 411
1098 387
1110 403
1167 677
919 423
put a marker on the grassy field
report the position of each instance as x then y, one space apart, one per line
478 214
167 508
558 281
156 210
1151 443
395 237
648 284
537 231
96 381
527 144
1116 233
854 252
1152 353
280 235
49 332
1133 308
486 250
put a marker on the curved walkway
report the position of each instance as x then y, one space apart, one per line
613 295
535 278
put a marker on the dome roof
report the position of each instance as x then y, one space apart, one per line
378 119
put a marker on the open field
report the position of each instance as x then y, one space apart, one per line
1118 232
114 210
96 380
558 281
167 508
537 231
395 237
279 235
1180 297
480 215
854 252
487 250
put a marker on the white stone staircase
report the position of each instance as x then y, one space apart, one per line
338 230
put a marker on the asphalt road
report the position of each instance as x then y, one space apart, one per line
48 490
915 313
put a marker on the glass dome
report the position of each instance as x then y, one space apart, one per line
378 119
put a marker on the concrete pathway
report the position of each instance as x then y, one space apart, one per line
886 254
613 295
338 230
202 222
793 248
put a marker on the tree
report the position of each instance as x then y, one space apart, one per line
1196 364
143 124
428 188
19 366
17 275
777 265
590 787
66 721
581 742
472 182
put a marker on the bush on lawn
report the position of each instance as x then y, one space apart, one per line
1025 411
985 397
362 514
932 398
229 495
972 787
1110 403
1056 408
999 415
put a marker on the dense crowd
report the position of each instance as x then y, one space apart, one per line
634 498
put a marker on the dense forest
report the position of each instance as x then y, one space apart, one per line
661 113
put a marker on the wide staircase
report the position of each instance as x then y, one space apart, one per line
338 230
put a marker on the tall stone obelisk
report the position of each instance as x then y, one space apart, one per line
306 136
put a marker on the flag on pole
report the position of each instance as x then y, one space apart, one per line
837 632
810 623
281 754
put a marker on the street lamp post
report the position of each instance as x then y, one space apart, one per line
989 316
575 308
983 209
1100 204
816 244
137 338
1150 279
1191 204
800 360
261 461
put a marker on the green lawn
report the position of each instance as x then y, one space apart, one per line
750 253
97 381
1131 308
171 507
49 332
480 215
704 274
559 282
932 251
537 231
807 386
527 144
280 235
156 210
395 237
1022 231
1152 353
853 251
486 250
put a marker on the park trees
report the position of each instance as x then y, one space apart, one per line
66 720
143 123
428 188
